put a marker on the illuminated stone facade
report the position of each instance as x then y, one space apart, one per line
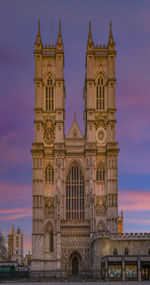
75 177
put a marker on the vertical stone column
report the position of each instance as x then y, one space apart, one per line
106 269
58 236
91 198
139 269
123 270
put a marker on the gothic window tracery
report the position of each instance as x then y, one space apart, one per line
75 193
49 95
100 172
49 174
100 94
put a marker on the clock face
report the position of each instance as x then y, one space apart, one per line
100 135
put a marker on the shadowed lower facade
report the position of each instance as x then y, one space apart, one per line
75 177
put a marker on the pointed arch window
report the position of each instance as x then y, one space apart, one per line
49 238
100 172
115 252
126 251
100 94
75 193
49 95
49 174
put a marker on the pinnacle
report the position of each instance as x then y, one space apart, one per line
90 40
59 38
38 38
111 39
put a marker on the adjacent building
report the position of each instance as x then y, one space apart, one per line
15 245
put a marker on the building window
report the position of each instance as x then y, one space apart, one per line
17 241
49 95
100 172
75 193
115 253
49 174
126 251
149 251
51 241
100 94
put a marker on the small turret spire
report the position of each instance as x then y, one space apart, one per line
13 229
111 39
38 37
59 38
90 40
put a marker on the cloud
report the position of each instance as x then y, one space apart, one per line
13 193
134 200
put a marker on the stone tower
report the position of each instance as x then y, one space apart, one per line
15 245
74 177
100 125
49 141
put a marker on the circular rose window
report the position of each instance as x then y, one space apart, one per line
100 135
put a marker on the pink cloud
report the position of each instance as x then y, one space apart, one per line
138 221
134 200
14 210
14 217
15 213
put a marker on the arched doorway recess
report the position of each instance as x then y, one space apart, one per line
75 264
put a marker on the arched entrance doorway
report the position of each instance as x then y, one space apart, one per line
75 263
75 266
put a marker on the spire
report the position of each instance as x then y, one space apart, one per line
38 37
111 39
59 38
13 229
90 40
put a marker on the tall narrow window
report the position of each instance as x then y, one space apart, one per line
49 174
51 241
49 238
115 252
100 94
100 172
49 95
75 193
126 251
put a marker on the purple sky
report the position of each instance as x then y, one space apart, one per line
18 28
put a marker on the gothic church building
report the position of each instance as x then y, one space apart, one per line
75 182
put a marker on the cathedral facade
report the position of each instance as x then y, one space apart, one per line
75 177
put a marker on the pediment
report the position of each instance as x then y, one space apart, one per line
74 132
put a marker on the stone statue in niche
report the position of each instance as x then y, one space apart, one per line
49 208
100 206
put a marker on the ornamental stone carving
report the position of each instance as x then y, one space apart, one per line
49 130
49 208
100 206
100 120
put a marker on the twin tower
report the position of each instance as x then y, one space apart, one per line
75 184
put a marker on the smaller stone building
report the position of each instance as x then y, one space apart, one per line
15 245
120 256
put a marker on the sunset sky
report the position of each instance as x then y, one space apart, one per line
131 30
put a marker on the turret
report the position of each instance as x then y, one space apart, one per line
111 43
59 43
38 42
90 43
